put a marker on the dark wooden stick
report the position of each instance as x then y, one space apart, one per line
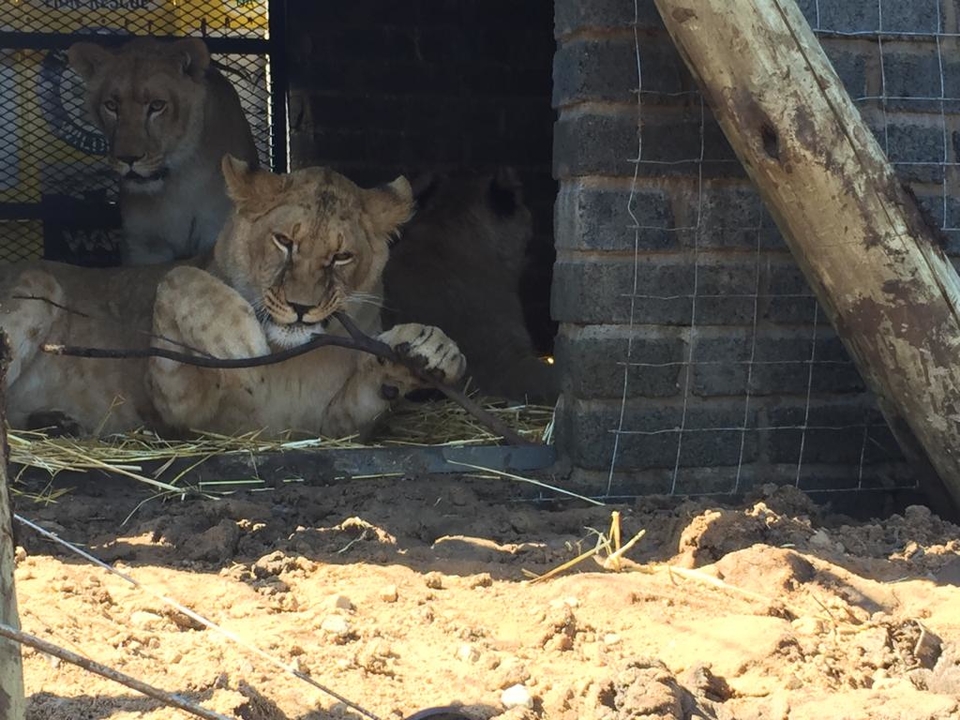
357 341
169 699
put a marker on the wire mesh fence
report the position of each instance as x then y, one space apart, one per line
765 388
57 195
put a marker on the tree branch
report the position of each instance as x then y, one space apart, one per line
168 699
357 341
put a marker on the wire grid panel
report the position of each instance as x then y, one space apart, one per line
57 194
775 355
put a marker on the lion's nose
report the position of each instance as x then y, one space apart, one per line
128 159
300 310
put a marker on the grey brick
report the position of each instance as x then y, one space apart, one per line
590 291
911 74
593 69
589 218
712 435
915 16
726 292
850 61
834 434
681 142
781 366
595 144
593 361
846 16
909 142
574 15
725 215
788 298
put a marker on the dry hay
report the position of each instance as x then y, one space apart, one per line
409 424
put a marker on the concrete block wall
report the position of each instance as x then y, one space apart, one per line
694 355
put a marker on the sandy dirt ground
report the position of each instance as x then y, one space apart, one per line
406 594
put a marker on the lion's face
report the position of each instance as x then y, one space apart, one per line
302 246
147 98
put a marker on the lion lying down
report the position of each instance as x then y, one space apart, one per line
296 248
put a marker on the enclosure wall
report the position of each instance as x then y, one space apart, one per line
694 355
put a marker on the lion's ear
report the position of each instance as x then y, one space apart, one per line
248 187
85 58
389 206
194 56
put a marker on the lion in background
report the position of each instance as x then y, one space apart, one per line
458 265
297 248
169 117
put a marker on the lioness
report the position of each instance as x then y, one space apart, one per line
296 248
169 117
458 264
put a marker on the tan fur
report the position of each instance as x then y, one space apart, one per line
458 265
169 117
337 237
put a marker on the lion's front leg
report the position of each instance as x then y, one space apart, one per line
28 309
195 312
378 382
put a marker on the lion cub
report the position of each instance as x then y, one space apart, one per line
296 248
169 117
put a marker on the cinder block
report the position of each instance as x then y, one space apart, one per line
780 365
916 16
574 15
591 218
845 16
831 432
912 76
595 143
605 362
592 69
649 437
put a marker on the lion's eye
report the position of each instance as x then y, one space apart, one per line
342 258
283 242
110 106
158 106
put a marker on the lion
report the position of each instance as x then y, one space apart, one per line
458 266
169 117
296 249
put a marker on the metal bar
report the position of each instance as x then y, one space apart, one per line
277 58
61 41
247 470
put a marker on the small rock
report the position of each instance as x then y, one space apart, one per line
820 539
516 696
479 581
336 625
468 653
341 602
611 639
433 580
389 593
146 620
806 625
19 555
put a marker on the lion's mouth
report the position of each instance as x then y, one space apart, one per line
288 335
132 176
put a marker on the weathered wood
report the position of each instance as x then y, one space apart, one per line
856 233
12 703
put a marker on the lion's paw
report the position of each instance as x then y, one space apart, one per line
430 348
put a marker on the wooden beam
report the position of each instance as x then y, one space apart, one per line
12 702
856 233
